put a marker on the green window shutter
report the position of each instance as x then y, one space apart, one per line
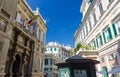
96 42
54 49
104 37
101 40
110 34
50 49
114 29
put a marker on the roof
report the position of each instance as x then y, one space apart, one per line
75 57
78 59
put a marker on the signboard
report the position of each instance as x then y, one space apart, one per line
64 72
80 73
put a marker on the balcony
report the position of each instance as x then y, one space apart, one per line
2 26
18 27
27 31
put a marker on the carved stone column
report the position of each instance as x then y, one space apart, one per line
11 56
24 58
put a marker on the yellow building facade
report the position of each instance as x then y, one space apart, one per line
21 43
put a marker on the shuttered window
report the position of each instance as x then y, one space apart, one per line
96 42
101 8
104 37
118 25
101 40
55 49
95 19
110 34
50 49
114 29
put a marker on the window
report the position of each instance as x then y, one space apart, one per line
55 49
111 56
89 23
91 1
51 61
0 46
46 69
114 29
101 9
104 37
39 34
102 59
94 16
83 32
110 1
20 19
81 36
50 49
2 26
98 40
118 25
46 61
101 42
86 28
43 38
108 35
94 44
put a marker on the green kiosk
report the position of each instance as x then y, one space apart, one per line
77 66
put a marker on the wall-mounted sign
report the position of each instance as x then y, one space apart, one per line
80 73
64 72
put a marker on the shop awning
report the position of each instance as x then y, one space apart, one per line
102 72
115 70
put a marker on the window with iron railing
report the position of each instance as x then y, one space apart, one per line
112 56
2 26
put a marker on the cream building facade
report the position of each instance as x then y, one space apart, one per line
50 69
60 51
21 44
55 53
100 28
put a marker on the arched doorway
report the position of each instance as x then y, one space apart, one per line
16 66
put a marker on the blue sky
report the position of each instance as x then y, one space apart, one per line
63 18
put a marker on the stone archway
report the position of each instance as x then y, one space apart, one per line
16 66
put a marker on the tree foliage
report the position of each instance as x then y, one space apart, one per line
83 46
